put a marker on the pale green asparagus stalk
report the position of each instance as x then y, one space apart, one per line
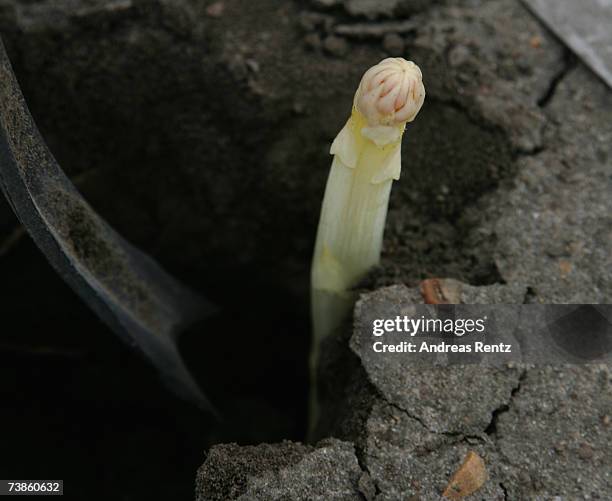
367 158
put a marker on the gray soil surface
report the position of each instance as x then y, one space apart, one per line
544 433
281 471
210 125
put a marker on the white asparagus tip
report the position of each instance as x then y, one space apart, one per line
390 93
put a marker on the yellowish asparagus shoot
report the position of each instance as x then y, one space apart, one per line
367 158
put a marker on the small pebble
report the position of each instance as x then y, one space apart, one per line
313 41
535 41
252 65
335 46
565 268
469 478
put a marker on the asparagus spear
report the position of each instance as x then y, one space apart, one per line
367 158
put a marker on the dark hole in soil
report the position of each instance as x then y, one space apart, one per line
79 405
252 360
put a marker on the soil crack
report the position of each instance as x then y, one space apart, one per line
504 490
457 435
569 62
491 429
